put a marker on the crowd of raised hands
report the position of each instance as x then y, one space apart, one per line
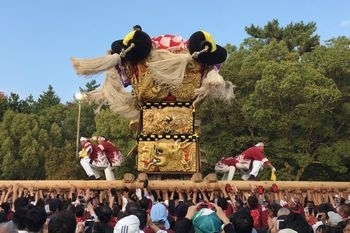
180 209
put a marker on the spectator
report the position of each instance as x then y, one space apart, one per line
272 208
202 218
159 216
344 227
324 229
128 224
63 222
243 221
35 219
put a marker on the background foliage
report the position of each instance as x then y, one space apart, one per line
292 93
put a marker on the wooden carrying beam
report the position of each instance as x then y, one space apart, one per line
208 184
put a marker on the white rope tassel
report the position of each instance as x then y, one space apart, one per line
91 66
169 71
214 85
113 94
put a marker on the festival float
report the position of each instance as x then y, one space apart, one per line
169 78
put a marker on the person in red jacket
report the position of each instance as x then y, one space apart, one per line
249 161
112 152
113 155
92 159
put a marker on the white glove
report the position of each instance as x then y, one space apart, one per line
273 169
138 194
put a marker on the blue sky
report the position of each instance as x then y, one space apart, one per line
38 37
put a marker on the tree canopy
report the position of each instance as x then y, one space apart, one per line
292 93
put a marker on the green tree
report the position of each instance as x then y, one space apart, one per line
47 99
284 98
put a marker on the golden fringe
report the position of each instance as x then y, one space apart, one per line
91 66
113 94
167 68
214 85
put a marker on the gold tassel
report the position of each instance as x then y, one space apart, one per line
273 176
91 66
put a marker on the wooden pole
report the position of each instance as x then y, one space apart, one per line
179 184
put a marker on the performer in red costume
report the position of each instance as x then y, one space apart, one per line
92 159
249 161
112 152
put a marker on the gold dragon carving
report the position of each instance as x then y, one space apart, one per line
168 120
167 155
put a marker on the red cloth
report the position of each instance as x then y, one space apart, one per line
92 150
112 222
260 217
230 161
229 209
170 42
252 153
255 213
109 148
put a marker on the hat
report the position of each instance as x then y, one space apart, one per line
334 218
283 211
159 213
274 207
142 42
206 221
84 139
128 224
215 54
260 144
181 210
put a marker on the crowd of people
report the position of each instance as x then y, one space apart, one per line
173 210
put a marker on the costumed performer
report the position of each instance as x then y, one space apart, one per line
93 160
112 152
249 161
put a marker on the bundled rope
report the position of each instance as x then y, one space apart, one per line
113 94
91 66
214 85
169 68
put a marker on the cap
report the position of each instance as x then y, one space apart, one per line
128 224
260 144
84 139
206 221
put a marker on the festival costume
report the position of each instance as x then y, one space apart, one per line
249 161
113 155
95 161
